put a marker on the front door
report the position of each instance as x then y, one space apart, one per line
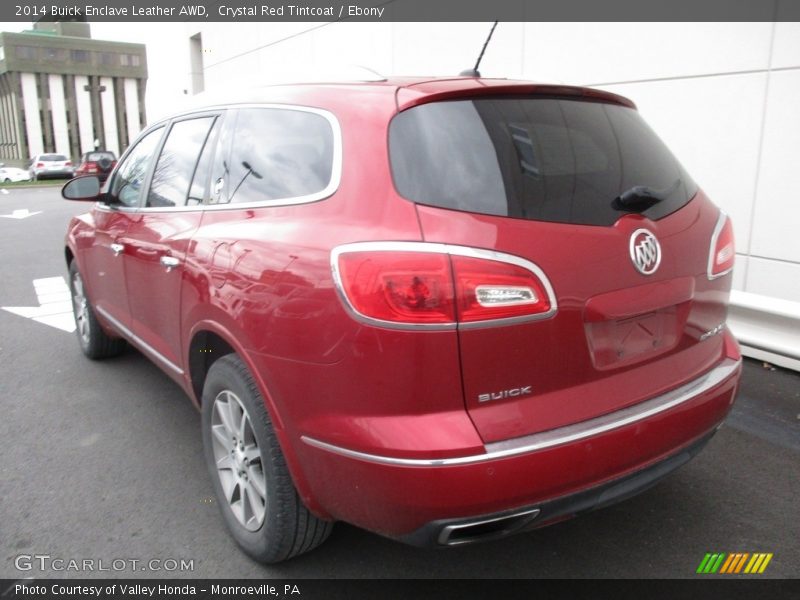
104 258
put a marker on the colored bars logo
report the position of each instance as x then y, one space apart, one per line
734 563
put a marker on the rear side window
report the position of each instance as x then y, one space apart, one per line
176 164
276 154
546 159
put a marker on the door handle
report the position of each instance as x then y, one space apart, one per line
117 248
170 262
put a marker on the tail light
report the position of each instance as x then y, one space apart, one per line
40 165
91 167
68 163
424 285
722 252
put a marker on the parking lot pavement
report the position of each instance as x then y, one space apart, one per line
102 460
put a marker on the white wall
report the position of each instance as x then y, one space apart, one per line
33 121
59 114
724 96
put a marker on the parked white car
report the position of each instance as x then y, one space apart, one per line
13 174
50 165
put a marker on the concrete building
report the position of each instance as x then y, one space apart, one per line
61 91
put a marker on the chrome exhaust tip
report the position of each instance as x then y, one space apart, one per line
480 530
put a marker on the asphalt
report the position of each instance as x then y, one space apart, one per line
103 461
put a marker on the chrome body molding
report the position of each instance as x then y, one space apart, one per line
329 190
140 343
714 237
562 435
440 249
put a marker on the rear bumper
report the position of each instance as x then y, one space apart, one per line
454 532
533 480
55 174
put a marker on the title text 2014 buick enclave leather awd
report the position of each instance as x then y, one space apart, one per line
441 310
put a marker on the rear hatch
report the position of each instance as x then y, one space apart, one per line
576 186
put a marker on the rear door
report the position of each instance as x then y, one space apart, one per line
588 193
157 243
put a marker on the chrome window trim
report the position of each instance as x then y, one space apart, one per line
328 191
556 437
714 237
147 348
440 249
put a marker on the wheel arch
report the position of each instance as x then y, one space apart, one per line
209 342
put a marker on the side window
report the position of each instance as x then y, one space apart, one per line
128 182
176 163
277 154
201 173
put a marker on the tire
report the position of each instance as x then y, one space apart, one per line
252 484
95 343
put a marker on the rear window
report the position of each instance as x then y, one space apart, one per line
98 156
545 159
52 157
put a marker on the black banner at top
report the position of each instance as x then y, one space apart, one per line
231 11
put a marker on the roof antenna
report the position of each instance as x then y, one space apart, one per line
474 71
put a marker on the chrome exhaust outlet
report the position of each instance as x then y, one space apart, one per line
480 530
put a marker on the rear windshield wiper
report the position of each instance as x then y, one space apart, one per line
641 197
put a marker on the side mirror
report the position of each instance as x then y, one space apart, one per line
86 187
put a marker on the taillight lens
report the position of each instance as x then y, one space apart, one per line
68 163
40 165
400 287
723 252
436 285
490 289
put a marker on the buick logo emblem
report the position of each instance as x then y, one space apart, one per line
645 251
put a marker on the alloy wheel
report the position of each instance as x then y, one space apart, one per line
238 460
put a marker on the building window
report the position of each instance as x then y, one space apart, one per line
55 54
130 60
25 52
107 59
80 56
196 62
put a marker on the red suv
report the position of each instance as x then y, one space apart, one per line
99 162
442 310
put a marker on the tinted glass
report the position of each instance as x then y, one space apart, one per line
278 154
201 173
97 156
543 159
176 163
126 188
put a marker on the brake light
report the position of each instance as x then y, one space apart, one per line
409 284
723 251
400 287
91 167
68 163
40 165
